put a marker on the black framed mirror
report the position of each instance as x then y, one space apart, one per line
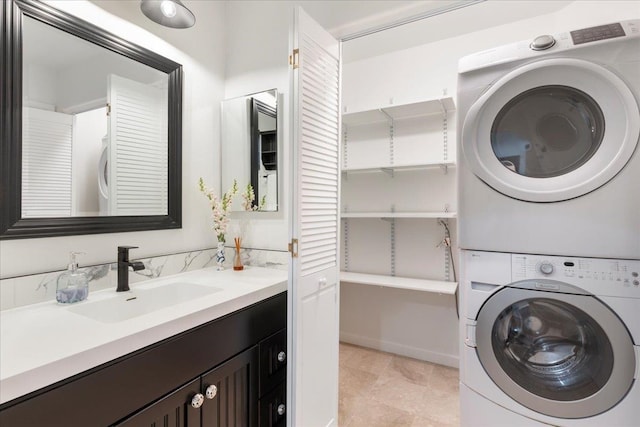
75 94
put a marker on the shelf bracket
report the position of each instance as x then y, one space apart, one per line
388 218
388 171
443 109
387 115
444 167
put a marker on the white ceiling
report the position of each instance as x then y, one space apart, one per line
347 17
475 17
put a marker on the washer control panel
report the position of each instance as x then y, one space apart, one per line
601 276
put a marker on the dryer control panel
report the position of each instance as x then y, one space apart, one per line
611 277
601 32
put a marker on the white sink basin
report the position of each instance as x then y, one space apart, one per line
127 305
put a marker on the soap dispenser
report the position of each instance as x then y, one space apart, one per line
72 285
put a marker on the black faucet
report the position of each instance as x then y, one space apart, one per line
123 267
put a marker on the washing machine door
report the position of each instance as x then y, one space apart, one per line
551 130
559 354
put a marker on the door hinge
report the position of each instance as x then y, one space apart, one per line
293 248
293 58
108 109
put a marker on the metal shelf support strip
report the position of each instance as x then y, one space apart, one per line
446 243
345 234
345 139
393 243
445 135
393 247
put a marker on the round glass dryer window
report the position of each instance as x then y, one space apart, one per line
552 349
547 131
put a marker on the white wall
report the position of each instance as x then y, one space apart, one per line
412 323
88 130
201 52
425 71
39 87
257 60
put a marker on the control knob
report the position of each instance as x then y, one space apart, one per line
542 42
546 268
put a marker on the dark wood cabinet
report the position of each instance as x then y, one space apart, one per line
155 386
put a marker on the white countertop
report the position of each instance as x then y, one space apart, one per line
44 343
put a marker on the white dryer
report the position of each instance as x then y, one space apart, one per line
548 145
549 340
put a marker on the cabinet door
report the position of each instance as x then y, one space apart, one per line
231 392
173 410
273 409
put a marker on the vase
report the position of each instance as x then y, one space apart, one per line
237 261
220 256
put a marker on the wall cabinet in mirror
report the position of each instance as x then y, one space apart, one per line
91 129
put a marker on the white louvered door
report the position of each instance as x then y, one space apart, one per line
316 189
138 148
46 163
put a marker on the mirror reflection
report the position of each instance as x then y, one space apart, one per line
250 148
95 131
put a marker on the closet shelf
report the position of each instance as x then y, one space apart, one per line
436 286
401 111
407 215
407 167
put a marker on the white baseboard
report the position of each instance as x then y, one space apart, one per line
401 349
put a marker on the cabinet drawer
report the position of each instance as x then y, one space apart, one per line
273 409
273 361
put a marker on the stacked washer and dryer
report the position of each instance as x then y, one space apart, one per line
549 230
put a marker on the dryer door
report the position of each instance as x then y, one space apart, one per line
551 130
562 355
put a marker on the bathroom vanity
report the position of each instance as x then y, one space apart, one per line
215 357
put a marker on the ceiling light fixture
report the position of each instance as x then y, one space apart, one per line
170 13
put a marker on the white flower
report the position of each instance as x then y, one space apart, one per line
247 199
220 207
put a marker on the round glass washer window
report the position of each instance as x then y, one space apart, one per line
552 349
547 131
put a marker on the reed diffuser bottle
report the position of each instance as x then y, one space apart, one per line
237 261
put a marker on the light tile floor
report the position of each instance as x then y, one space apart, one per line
385 390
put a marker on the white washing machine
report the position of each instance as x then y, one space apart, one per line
549 340
548 145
